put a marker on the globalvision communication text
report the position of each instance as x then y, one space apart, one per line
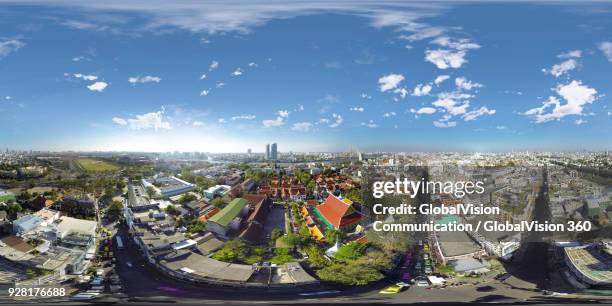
462 208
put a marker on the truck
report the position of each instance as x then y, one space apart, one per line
119 243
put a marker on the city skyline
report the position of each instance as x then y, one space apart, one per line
313 77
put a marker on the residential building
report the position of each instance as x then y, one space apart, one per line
228 219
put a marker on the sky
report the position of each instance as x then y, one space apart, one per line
226 76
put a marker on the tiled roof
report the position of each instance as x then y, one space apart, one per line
339 213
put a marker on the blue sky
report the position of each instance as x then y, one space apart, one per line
312 76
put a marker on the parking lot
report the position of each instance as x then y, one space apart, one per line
9 272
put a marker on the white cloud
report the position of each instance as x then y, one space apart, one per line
371 124
205 92
454 54
323 121
237 72
301 126
81 25
221 120
455 43
8 97
580 122
284 113
98 86
119 121
86 77
441 78
472 115
444 59
198 123
421 32
606 48
80 58
570 54
501 127
273 122
214 17
337 122
390 81
203 76
213 65
421 90
451 106
357 109
562 68
9 46
444 124
425 111
365 96
463 83
144 79
154 120
455 95
401 91
389 114
219 85
574 93
252 64
243 117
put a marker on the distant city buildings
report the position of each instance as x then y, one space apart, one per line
272 152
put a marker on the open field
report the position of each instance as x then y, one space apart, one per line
96 165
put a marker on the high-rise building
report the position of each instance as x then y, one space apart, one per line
274 152
268 151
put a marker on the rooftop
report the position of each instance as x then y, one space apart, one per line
593 262
227 214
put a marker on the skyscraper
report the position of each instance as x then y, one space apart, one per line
274 153
268 151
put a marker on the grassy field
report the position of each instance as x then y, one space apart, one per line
96 165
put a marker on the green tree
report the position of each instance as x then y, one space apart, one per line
218 202
151 192
196 226
115 209
349 274
376 259
282 257
354 195
232 251
351 251
316 257
291 240
186 198
276 233
171 210
311 185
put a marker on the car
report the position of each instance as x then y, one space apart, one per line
84 296
426 248
502 277
403 284
428 270
395 289
425 256
422 283
485 289
129 264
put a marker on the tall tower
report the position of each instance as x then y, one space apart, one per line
268 151
274 153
